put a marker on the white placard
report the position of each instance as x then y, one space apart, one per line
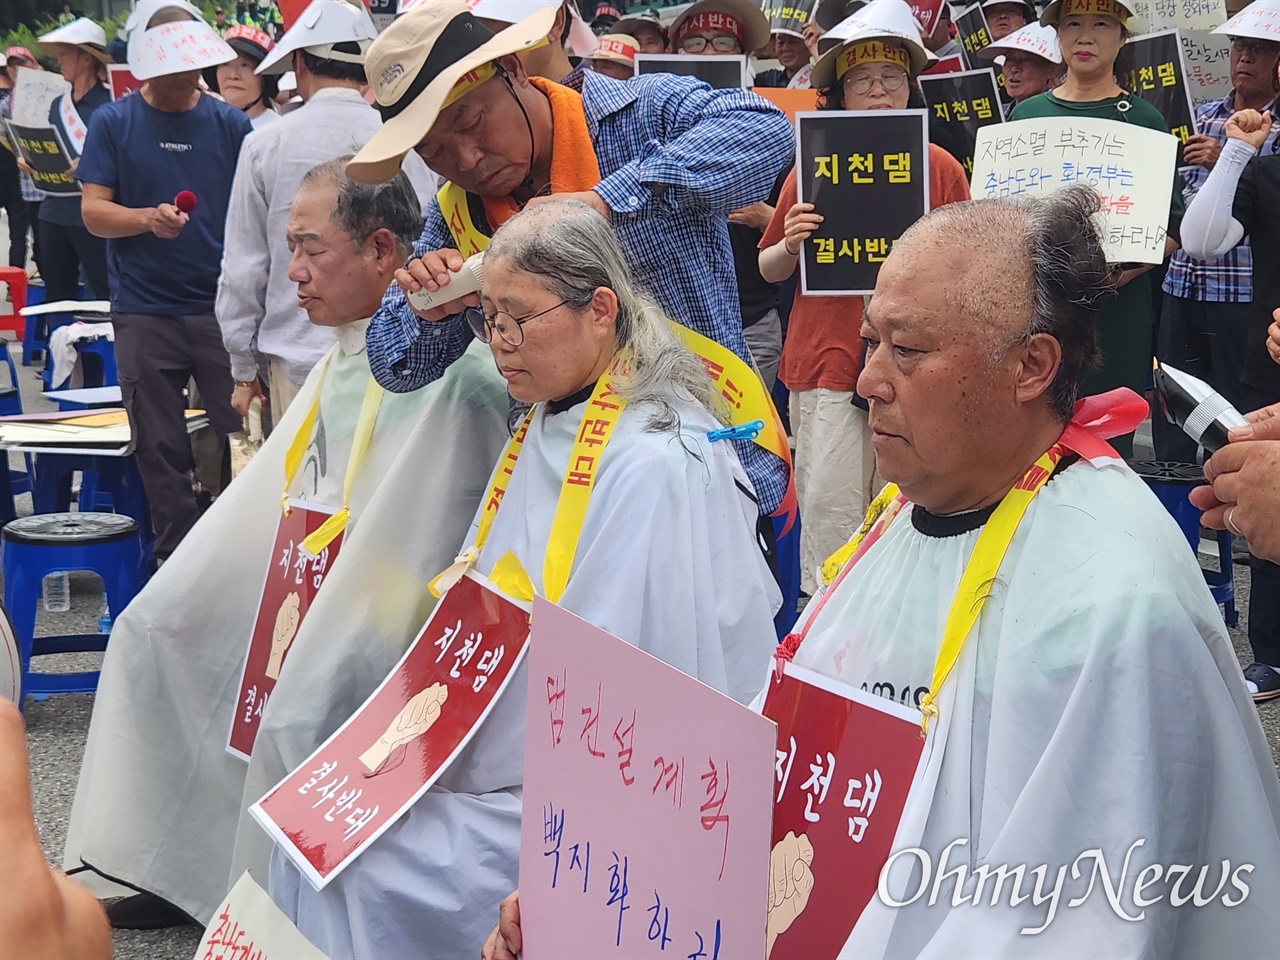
1131 167
1207 57
1152 15
33 95
249 924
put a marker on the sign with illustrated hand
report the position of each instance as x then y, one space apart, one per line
844 764
292 582
647 802
363 778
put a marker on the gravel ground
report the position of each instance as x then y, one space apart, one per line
56 729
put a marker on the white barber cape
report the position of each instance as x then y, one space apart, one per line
668 561
160 803
1097 703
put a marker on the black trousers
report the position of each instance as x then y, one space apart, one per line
156 356
1206 340
19 221
65 249
1264 576
37 248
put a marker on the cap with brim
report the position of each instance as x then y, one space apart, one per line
1028 10
1115 9
1034 39
416 63
1260 20
249 42
507 11
82 33
616 48
754 24
180 46
648 19
829 13
19 53
327 29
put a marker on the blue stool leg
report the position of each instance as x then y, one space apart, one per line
20 602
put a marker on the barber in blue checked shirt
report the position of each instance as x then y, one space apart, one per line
663 158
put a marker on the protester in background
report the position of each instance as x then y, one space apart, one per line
1090 35
872 69
262 322
795 65
560 308
1029 61
663 158
43 914
171 817
615 57
17 57
81 50
1208 320
1239 198
711 27
11 199
141 152
940 42
220 21
650 34
239 85
1004 17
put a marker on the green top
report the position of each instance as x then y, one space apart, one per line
1139 111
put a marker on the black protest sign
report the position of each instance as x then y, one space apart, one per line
45 153
972 34
964 103
867 174
789 16
722 70
1151 66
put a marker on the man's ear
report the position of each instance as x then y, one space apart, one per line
1041 358
513 66
386 250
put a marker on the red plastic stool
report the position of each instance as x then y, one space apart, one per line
16 278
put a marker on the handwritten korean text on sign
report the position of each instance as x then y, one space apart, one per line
362 779
1130 167
647 800
248 926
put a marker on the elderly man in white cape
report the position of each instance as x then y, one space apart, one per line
666 558
160 801
1095 720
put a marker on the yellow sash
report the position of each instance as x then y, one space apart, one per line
737 382
328 531
596 427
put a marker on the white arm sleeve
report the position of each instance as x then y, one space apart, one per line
1208 229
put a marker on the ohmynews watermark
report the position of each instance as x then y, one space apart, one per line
1181 883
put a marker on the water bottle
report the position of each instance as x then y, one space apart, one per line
57 592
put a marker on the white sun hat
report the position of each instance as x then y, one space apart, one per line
1035 39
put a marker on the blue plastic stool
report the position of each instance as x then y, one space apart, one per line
98 361
107 544
10 404
1172 483
788 557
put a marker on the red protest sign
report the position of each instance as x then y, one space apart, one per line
953 64
843 768
293 580
926 13
123 82
364 777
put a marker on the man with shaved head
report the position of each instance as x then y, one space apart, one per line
1021 592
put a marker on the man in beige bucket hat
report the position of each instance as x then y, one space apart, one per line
663 158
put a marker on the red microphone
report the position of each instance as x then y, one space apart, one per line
185 201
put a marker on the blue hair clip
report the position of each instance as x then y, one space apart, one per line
742 431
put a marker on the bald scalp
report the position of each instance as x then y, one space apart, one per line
1019 267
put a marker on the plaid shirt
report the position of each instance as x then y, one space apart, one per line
676 156
1228 279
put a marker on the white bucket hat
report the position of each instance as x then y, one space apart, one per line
1033 38
1260 20
616 48
82 33
415 65
319 28
754 24
880 24
179 46
829 13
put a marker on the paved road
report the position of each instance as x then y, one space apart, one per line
56 729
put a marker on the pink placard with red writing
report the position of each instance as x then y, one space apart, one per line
647 801
952 64
364 777
123 82
926 14
292 582
844 764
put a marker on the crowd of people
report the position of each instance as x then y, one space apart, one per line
954 448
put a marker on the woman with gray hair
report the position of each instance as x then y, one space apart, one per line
664 557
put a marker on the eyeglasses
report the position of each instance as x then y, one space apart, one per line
721 44
1255 50
509 328
891 82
